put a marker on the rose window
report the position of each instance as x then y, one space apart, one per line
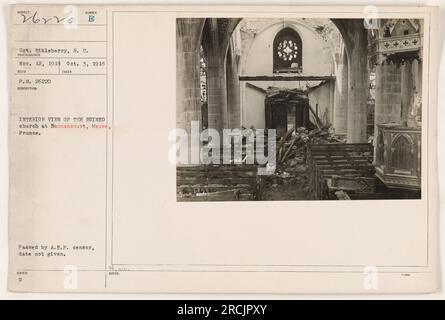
287 50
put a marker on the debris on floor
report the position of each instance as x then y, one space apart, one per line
291 149
292 172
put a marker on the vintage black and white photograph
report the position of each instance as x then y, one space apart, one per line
298 109
203 149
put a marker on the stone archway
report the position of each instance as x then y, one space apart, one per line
216 34
355 37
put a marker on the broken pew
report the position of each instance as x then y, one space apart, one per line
217 183
329 161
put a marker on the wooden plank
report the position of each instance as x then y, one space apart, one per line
342 157
342 160
213 186
343 166
340 147
358 173
364 167
286 78
221 181
318 121
316 145
216 197
225 168
336 156
216 174
340 151
343 147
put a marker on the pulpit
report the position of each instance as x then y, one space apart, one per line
398 156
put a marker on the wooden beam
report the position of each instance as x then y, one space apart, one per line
318 122
285 78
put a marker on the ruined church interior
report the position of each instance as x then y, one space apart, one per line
343 95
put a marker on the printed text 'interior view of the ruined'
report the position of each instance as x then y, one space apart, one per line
298 109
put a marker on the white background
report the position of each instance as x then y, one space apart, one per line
4 109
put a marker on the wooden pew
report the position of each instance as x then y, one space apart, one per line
338 159
217 183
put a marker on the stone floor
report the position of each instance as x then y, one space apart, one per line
286 192
288 184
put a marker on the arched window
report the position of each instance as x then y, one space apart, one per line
287 51
203 74
203 87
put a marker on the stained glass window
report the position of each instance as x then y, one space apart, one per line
203 74
287 51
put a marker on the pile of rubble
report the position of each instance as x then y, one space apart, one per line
291 156
291 149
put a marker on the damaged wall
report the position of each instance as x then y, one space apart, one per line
258 36
322 96
255 113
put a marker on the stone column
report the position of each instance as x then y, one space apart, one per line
341 96
233 91
188 99
387 94
416 114
217 91
247 37
358 84
406 80
417 75
355 38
